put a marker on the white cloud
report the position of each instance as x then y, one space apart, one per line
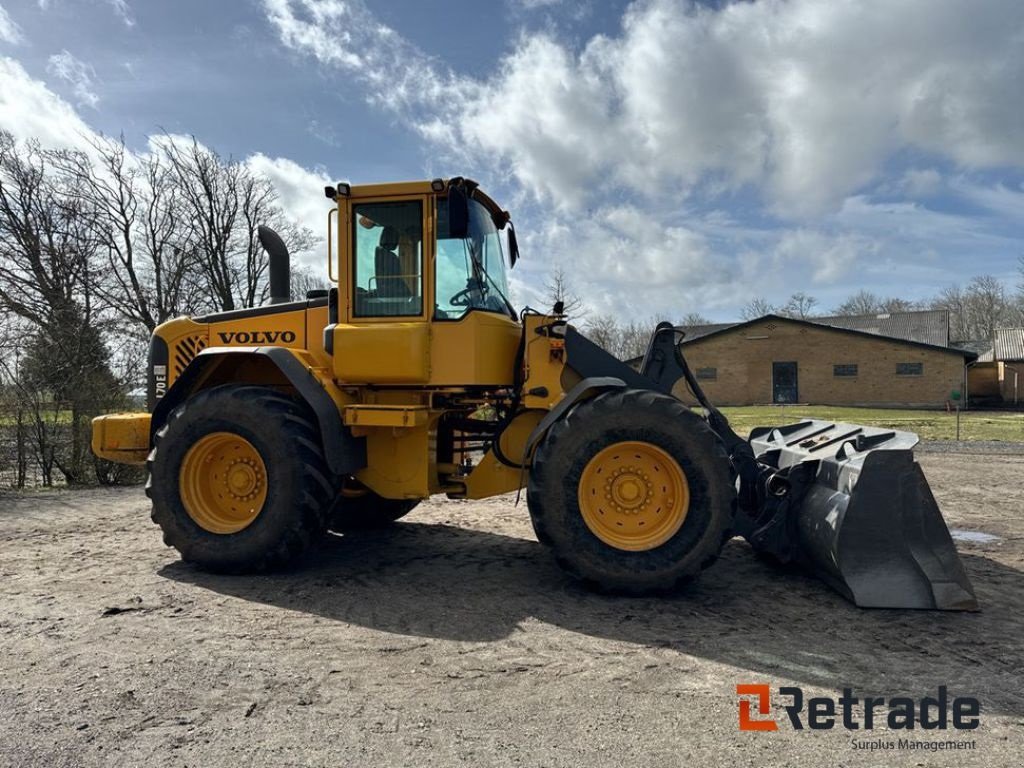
30 110
621 253
805 100
324 132
10 32
920 182
828 258
910 224
78 74
805 103
123 11
121 8
998 199
300 195
534 4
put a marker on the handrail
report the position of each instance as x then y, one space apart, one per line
330 249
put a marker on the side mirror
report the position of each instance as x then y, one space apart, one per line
458 212
513 246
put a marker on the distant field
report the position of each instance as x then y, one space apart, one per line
8 419
929 425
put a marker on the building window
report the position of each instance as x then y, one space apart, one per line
844 370
707 374
909 369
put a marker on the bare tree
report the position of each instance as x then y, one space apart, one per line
604 331
46 249
693 318
106 245
305 280
625 341
953 300
868 303
558 288
756 307
988 306
800 305
977 310
225 202
48 263
139 222
1018 319
635 338
894 304
861 303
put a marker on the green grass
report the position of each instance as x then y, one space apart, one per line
8 419
929 425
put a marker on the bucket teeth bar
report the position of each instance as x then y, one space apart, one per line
850 503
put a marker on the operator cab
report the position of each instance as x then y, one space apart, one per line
421 266
469 258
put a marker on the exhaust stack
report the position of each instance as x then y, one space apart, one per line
280 265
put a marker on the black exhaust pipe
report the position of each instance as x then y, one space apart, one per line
280 265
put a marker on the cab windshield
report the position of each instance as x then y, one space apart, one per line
470 270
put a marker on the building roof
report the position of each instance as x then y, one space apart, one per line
981 347
694 332
929 326
697 333
1009 344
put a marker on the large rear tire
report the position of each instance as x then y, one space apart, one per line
360 509
238 479
632 491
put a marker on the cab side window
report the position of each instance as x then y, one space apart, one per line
387 239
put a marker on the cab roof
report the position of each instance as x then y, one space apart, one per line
425 187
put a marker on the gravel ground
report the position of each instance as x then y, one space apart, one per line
452 639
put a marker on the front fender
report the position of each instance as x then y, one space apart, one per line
344 452
584 388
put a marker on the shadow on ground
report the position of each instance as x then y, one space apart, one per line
438 581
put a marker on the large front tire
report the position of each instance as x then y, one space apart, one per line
632 491
238 479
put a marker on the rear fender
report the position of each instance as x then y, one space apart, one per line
344 452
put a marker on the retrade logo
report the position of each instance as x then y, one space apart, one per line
822 713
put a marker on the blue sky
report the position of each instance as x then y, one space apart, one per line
671 156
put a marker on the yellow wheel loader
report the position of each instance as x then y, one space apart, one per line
416 376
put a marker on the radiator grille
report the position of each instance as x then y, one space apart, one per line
185 350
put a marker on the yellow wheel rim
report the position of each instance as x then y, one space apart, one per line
634 496
223 482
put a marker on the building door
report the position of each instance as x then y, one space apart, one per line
784 383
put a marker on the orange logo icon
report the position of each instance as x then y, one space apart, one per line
763 708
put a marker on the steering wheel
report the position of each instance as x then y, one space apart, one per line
464 298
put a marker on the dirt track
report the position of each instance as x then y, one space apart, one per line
452 638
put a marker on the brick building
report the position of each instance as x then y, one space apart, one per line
1008 355
897 359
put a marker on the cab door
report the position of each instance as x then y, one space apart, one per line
383 335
